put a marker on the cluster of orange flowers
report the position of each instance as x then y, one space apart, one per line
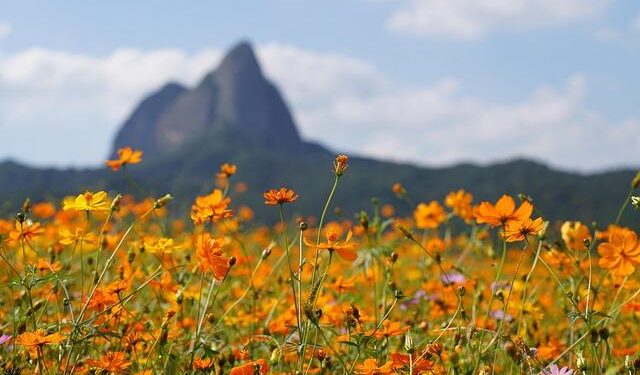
102 283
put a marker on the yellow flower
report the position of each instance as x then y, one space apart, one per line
77 237
88 201
162 245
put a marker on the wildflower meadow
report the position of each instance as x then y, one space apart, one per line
103 283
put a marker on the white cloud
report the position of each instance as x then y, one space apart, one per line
5 29
62 108
474 19
53 101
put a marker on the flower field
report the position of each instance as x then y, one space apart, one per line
104 283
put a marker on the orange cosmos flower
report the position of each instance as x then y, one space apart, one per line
370 367
38 339
259 366
388 329
344 249
342 286
202 364
88 201
429 216
399 190
574 233
113 362
503 211
460 202
621 254
126 155
211 207
518 230
403 361
227 170
212 259
44 210
44 265
282 196
27 230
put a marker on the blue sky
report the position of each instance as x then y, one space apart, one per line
433 82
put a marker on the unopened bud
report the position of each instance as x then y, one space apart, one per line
265 253
26 206
161 202
303 226
635 183
115 204
21 217
364 220
398 190
635 202
409 345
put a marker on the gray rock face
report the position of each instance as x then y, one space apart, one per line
234 99
141 128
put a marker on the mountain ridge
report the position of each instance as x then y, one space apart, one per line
237 115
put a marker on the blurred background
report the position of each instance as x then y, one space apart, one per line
432 82
538 97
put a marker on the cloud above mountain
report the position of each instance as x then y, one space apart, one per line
5 29
80 100
475 19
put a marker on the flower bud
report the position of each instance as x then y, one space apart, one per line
409 345
635 202
26 206
115 204
265 253
21 217
340 165
398 190
161 202
461 290
635 183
